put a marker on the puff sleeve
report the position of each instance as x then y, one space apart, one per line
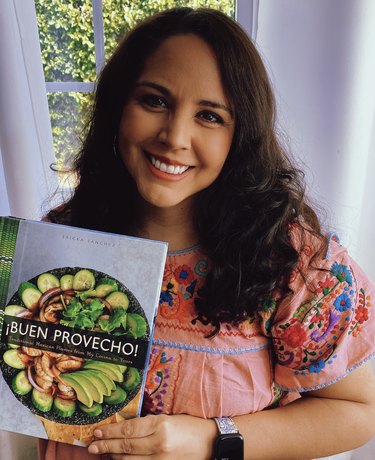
326 327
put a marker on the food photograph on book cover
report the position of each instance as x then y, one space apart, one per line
71 339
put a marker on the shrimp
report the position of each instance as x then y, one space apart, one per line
32 351
46 365
40 371
51 311
44 383
68 363
66 392
53 355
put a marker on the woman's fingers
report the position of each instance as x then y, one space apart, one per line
135 446
132 428
135 436
128 457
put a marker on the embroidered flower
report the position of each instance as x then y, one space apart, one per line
191 288
170 309
183 274
166 297
357 330
325 285
294 335
361 314
246 327
342 273
317 336
267 303
317 366
342 302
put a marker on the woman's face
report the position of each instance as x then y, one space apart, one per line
177 126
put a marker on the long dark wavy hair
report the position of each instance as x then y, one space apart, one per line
243 219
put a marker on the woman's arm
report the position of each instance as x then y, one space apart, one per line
335 419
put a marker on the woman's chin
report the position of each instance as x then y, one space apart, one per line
166 201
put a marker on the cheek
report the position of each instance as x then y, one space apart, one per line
216 151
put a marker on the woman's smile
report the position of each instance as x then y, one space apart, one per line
167 169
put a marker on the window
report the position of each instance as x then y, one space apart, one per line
76 39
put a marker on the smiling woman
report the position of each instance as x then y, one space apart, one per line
259 307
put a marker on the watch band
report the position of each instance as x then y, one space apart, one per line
226 425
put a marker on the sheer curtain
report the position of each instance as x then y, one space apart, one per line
25 132
321 58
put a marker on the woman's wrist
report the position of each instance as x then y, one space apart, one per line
229 443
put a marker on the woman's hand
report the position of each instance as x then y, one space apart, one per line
164 437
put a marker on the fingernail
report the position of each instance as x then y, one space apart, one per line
98 433
93 449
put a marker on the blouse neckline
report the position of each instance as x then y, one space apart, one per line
193 248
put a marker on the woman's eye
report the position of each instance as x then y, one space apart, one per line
154 101
210 117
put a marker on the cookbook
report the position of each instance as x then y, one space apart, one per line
77 309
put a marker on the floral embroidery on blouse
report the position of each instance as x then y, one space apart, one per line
361 313
160 381
179 288
307 341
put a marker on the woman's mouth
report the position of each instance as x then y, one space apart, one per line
167 168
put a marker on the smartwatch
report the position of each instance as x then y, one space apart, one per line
229 444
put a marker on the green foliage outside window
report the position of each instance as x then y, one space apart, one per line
68 53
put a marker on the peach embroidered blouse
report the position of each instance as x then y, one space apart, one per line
310 339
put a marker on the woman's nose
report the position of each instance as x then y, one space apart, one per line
176 132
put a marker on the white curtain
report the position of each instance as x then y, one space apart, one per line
321 58
25 133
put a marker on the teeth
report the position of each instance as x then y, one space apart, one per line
170 169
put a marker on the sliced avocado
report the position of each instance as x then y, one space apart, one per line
102 387
132 379
82 393
122 368
86 383
110 369
137 325
107 382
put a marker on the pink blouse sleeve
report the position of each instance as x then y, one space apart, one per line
326 327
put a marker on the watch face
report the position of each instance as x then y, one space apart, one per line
229 447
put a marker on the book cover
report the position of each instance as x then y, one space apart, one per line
77 310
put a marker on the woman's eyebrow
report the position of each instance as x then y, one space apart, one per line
151 84
166 92
216 105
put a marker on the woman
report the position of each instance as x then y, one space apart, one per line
258 310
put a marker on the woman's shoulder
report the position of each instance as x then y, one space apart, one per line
324 328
